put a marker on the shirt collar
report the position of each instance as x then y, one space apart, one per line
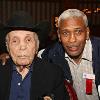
87 53
31 67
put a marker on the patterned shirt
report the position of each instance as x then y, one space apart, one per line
77 70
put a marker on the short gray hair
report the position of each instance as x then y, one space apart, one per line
73 13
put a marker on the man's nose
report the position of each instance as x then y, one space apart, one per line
72 37
23 46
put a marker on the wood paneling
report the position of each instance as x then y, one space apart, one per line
39 9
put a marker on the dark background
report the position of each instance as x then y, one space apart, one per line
48 9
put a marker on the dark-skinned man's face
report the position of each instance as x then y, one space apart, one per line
73 34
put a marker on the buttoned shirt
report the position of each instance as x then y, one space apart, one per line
20 88
77 70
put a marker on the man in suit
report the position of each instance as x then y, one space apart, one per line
25 76
77 54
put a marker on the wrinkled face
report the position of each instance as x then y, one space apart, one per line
21 46
73 33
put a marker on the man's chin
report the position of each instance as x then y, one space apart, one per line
74 56
22 63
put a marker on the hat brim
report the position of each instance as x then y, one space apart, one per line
42 29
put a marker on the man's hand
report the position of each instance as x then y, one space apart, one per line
4 57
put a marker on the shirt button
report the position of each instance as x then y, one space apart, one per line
19 84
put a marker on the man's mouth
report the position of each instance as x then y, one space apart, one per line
73 48
23 56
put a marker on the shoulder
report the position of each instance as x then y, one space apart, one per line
45 64
95 40
46 51
48 71
50 51
7 66
42 64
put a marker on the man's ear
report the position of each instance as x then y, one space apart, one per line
58 35
7 46
88 33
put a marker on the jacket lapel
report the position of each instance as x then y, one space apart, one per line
96 59
6 81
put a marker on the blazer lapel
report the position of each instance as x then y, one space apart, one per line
6 81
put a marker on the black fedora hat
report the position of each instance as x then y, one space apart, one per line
24 21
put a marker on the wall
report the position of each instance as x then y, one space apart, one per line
40 10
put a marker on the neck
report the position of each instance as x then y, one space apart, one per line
23 70
77 59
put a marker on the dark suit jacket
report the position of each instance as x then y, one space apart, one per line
56 54
46 79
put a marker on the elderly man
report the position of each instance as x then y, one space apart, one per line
77 54
24 76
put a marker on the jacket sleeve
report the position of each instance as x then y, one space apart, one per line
60 90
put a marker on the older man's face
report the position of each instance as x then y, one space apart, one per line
22 47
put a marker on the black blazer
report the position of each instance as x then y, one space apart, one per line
46 79
56 54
